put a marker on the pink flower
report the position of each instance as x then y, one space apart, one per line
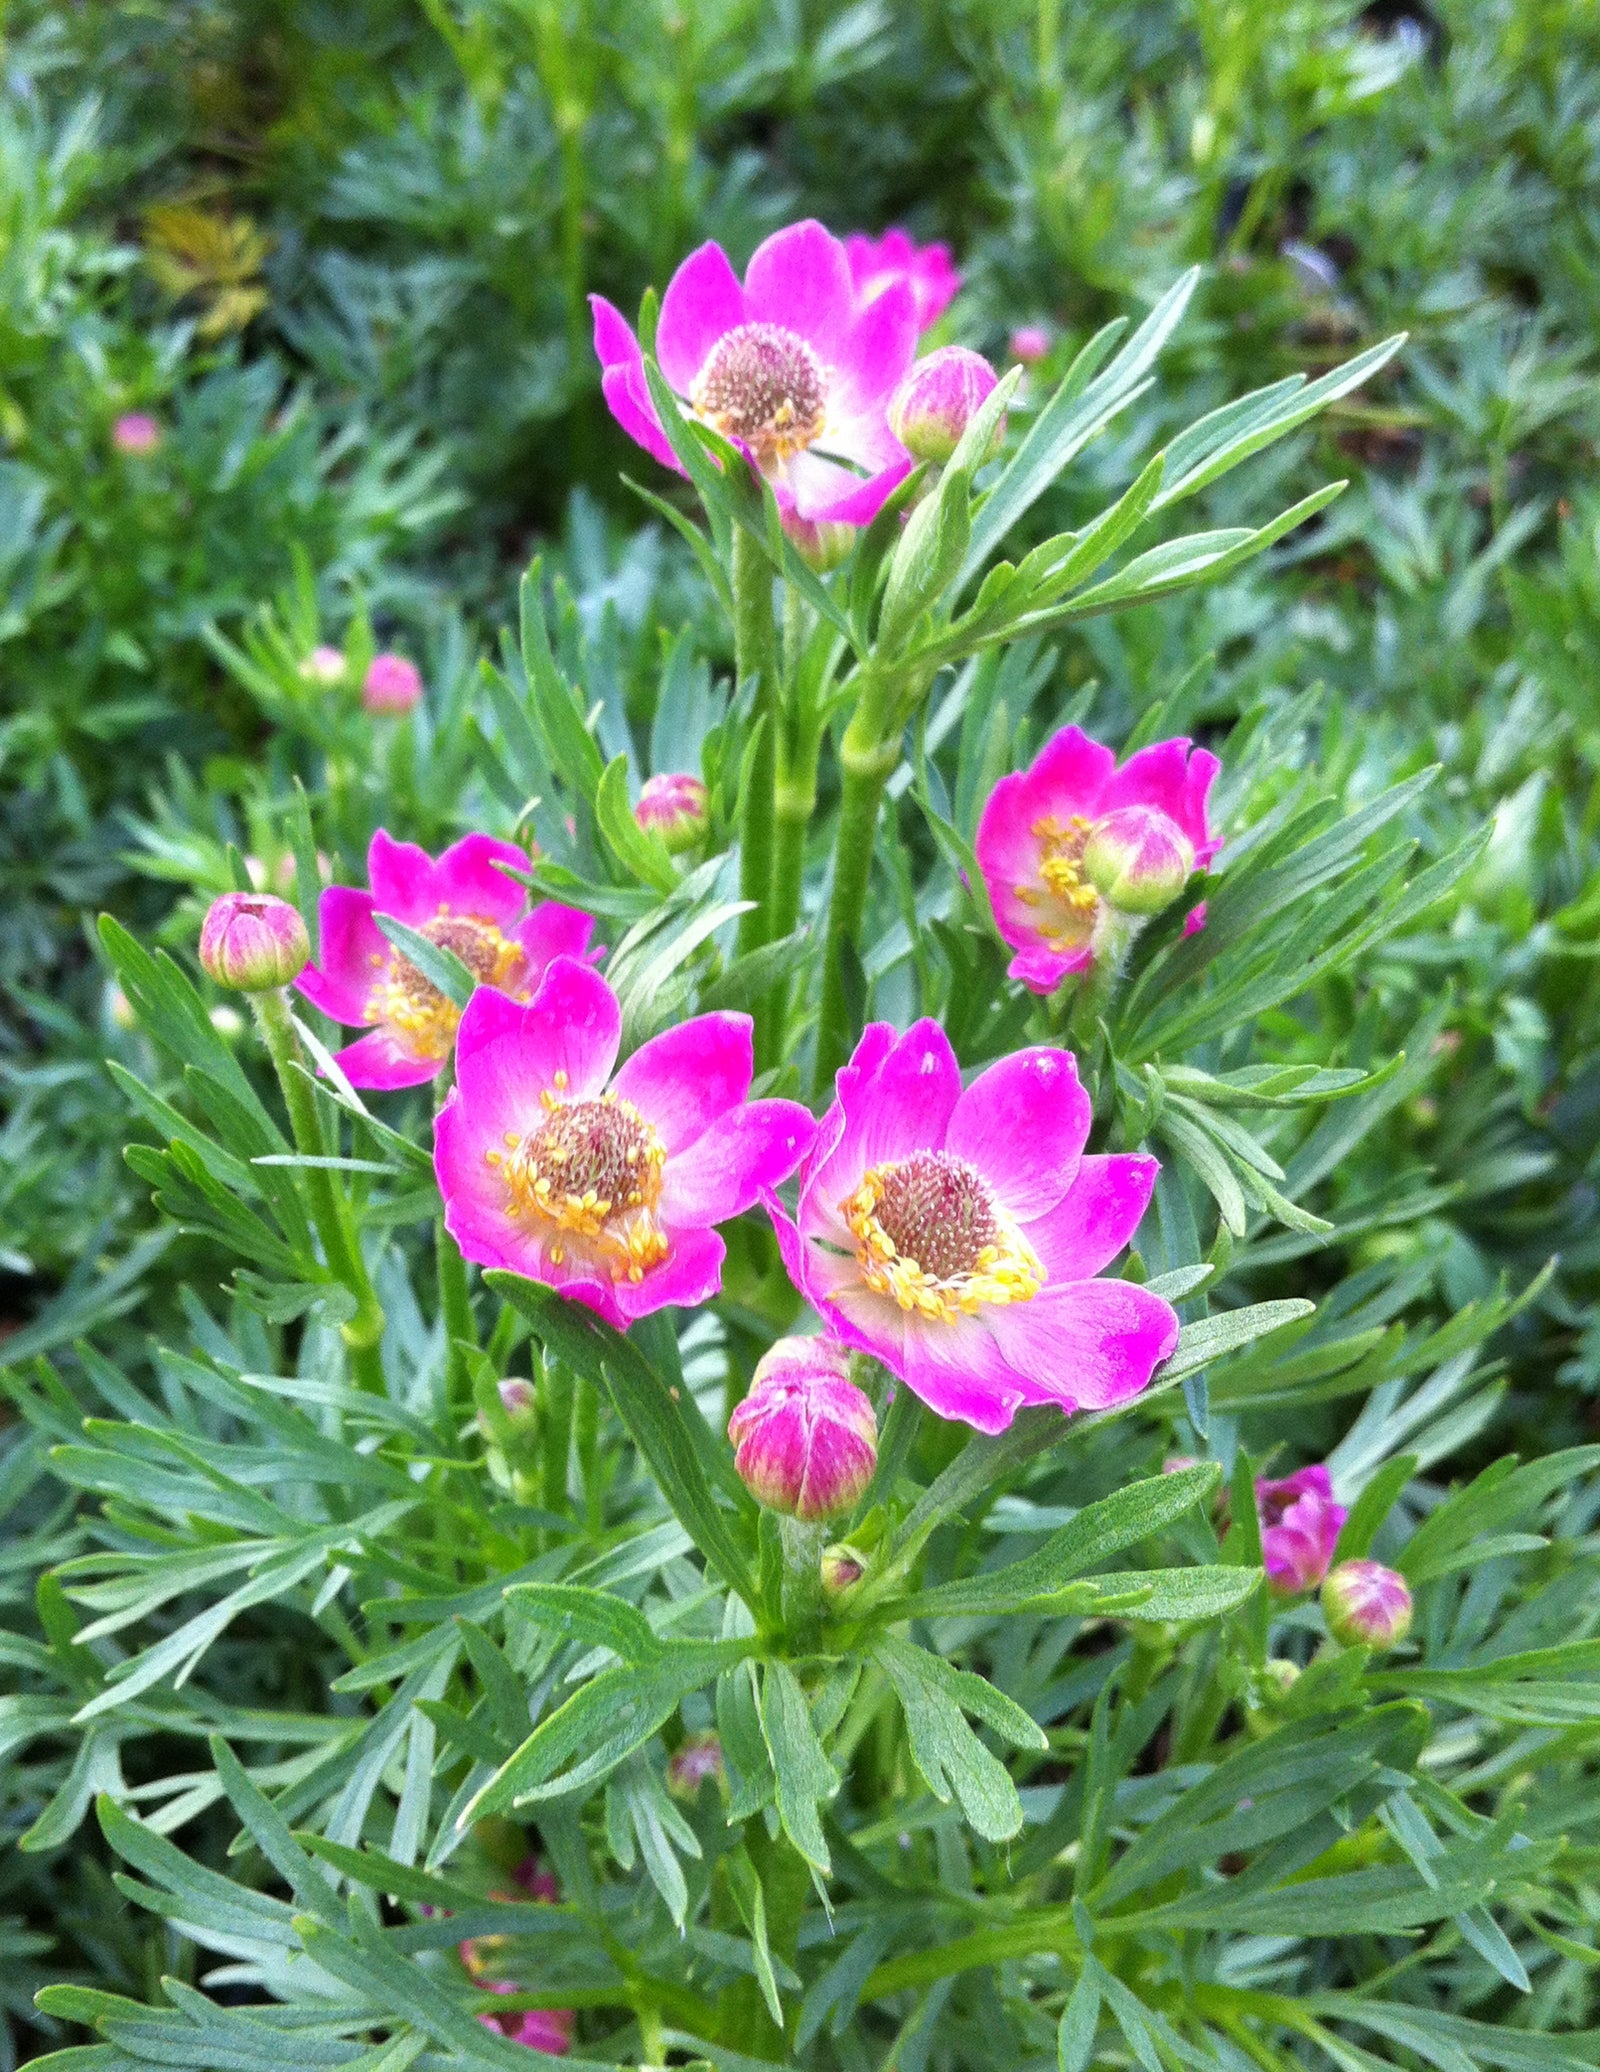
791 365
1366 1605
1029 343
957 1235
462 902
1194 920
252 942
136 431
324 665
677 807
878 263
941 395
392 685
805 1438
1037 823
1300 1527
606 1191
540 2028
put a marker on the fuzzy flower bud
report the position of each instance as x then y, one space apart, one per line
805 1438
251 942
324 665
1029 343
938 399
1138 859
136 431
841 1571
692 1762
1366 1605
391 686
821 543
676 807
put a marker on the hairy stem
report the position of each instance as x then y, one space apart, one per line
801 1598
867 761
755 650
330 1209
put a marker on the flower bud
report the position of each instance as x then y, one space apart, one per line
1137 859
841 1571
517 1401
251 942
676 806
1300 1527
324 665
805 1438
120 1008
692 1762
1029 343
391 686
1366 1605
821 543
938 399
136 431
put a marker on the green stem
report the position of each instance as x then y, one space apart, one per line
755 650
802 1541
867 760
330 1209
455 1296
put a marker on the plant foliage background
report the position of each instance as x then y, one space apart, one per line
268 1634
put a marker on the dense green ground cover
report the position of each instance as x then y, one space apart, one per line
341 255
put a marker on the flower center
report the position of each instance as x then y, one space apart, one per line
931 1236
1062 896
592 1171
405 1000
764 385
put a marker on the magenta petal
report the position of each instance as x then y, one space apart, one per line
574 1026
401 877
958 1370
614 342
880 346
826 498
1023 1123
703 301
800 278
1042 970
382 1063
730 1166
1168 776
552 931
684 1079
691 1273
628 400
1085 1345
466 880
353 955
906 1106
1102 1209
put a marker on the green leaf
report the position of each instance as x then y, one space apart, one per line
1372 1506
640 851
802 1774
441 967
933 1696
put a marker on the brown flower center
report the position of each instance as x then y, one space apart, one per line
592 1171
407 1001
930 1234
763 384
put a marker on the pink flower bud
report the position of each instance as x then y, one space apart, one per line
1138 859
692 1762
136 431
841 1571
805 1438
1029 343
938 399
391 686
821 543
1366 1605
1300 1527
677 807
251 942
326 665
1194 920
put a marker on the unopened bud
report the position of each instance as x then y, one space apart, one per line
1366 1605
324 665
517 1400
136 431
841 1571
805 1438
821 543
938 399
1138 859
677 807
1029 344
391 686
120 1008
251 942
692 1762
